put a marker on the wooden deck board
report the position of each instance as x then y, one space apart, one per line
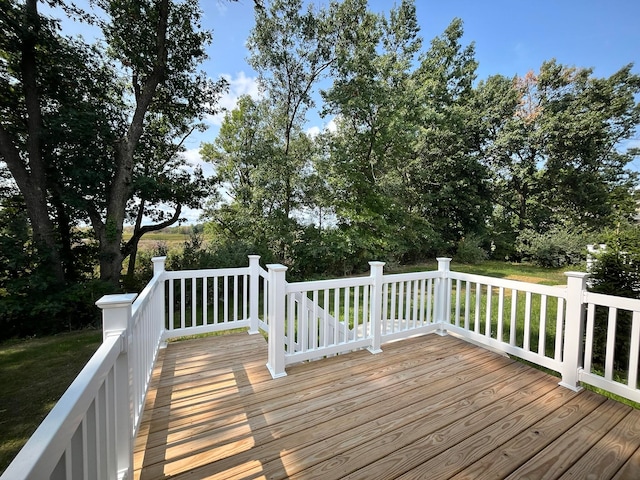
427 407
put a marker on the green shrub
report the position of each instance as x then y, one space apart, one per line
469 250
558 247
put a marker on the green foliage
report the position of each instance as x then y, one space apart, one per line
616 271
470 250
32 302
558 247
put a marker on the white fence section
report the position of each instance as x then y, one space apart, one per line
612 323
586 337
90 432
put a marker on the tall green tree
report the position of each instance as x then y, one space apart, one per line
448 176
263 186
28 43
552 145
73 162
373 99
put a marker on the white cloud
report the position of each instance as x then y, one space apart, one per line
240 85
330 126
313 131
194 159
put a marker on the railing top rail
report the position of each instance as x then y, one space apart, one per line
559 291
621 303
328 284
145 295
210 272
407 277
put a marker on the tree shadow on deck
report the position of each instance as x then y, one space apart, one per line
205 418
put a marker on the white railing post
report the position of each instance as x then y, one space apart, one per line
158 265
116 319
572 349
159 303
277 305
376 306
254 294
443 296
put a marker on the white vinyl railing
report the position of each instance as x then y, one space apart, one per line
612 323
91 430
89 434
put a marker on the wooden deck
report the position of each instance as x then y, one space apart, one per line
426 408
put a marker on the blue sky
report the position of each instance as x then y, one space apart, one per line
510 37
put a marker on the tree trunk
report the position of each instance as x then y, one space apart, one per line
32 180
121 188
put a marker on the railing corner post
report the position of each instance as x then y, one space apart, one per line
159 268
443 295
254 294
376 306
158 265
572 351
116 319
277 305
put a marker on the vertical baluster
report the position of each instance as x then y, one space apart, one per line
542 333
245 297
415 303
356 310
402 307
512 325
634 351
458 298
347 303
500 313
171 305
365 311
559 330
527 322
225 299
385 309
292 333
393 315
589 335
194 302
303 323
467 305
315 319
205 305
235 298
487 324
611 343
336 315
326 329
422 301
216 299
429 299
182 303
476 322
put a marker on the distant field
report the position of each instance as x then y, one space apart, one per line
150 240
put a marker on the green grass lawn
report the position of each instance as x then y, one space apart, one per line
34 373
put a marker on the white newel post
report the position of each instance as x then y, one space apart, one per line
277 303
158 265
443 295
376 306
160 315
254 292
116 318
572 351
